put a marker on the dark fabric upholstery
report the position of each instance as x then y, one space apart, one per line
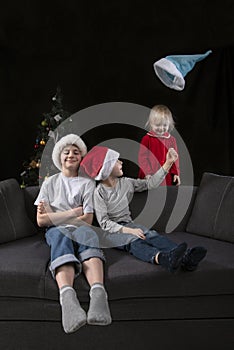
27 274
30 195
135 288
23 266
132 335
212 213
128 277
161 205
145 300
15 223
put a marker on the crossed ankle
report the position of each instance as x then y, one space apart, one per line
192 258
172 259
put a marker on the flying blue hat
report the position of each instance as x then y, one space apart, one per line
171 70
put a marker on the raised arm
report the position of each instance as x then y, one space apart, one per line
155 180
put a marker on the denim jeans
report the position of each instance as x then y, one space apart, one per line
72 245
147 249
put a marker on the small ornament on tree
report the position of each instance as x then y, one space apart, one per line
46 129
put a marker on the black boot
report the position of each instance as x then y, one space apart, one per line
192 257
171 260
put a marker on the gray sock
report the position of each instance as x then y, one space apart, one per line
99 312
73 316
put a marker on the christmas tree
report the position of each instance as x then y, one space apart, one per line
46 129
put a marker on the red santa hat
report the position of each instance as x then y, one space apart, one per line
99 162
70 139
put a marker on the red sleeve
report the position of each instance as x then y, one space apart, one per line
175 169
143 157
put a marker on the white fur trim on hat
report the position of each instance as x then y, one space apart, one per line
171 70
108 165
70 139
169 74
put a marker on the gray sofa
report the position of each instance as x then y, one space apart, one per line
150 307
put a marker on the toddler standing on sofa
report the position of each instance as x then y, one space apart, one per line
155 144
111 203
65 207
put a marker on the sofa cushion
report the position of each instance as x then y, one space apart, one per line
13 217
23 267
145 291
212 214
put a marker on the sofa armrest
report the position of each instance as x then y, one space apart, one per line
30 194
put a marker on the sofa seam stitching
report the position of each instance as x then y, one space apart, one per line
8 212
221 201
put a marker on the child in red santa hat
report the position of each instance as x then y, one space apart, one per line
111 204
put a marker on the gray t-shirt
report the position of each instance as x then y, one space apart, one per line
64 193
111 204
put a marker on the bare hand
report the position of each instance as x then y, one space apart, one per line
43 208
135 231
78 211
176 180
172 155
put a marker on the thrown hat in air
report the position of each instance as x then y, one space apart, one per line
171 70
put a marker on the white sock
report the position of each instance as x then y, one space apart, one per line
99 312
73 316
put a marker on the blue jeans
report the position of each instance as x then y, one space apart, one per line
72 245
147 249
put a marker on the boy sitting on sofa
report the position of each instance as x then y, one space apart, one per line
111 203
65 208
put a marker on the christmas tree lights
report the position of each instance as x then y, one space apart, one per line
46 129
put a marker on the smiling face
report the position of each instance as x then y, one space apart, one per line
70 160
160 126
160 120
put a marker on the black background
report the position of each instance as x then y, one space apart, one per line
103 51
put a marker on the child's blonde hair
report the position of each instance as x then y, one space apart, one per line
159 113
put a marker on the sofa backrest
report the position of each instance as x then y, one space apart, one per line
165 209
30 194
14 220
213 213
156 208
206 210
